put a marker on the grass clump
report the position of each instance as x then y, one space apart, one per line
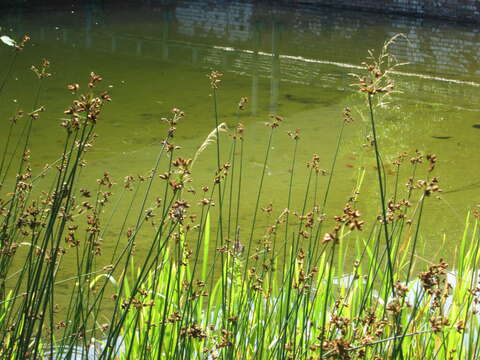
317 284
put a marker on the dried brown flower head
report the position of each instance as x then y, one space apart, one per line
295 134
276 120
94 79
378 68
42 71
215 79
73 87
347 115
241 104
19 46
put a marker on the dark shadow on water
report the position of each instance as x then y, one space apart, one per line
442 137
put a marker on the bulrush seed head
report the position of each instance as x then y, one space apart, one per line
378 68
21 45
242 103
42 71
215 79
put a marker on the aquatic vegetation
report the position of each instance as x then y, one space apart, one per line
315 283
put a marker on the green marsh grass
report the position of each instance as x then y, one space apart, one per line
317 283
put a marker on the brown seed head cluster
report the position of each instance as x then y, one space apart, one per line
433 278
86 109
94 79
238 132
347 115
476 212
35 114
243 101
21 45
276 120
17 116
350 218
394 210
222 172
42 70
295 134
376 79
432 160
173 121
429 186
73 87
315 165
215 79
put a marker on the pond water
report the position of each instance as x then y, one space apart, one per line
295 62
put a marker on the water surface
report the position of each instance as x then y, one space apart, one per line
288 61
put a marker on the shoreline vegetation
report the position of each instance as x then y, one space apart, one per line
207 288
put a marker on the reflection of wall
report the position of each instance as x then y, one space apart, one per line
434 47
231 20
160 28
461 10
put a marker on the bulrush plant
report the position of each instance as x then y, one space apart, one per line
210 286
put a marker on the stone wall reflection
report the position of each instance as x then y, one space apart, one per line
434 47
260 41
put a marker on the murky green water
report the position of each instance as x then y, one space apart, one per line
285 60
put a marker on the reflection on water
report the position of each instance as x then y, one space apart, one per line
167 26
296 62
434 47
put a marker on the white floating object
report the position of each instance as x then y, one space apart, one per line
7 40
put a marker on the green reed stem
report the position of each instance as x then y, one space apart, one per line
382 194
